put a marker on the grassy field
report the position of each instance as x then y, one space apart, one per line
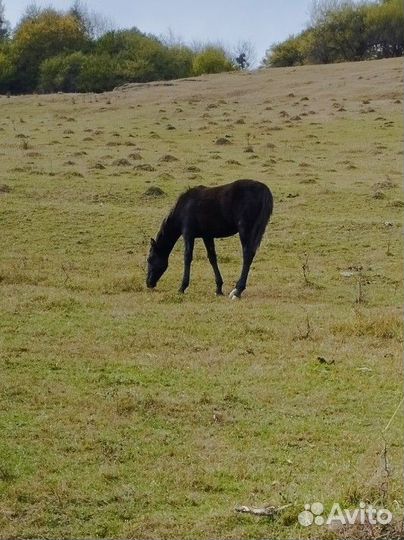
127 413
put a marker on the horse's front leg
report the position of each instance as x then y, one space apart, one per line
188 251
248 256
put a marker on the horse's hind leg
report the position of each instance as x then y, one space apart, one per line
248 256
210 249
188 252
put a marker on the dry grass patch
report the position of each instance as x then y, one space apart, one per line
383 325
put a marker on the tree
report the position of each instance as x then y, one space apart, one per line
245 55
32 11
120 42
4 25
340 36
386 29
94 24
320 10
342 30
41 36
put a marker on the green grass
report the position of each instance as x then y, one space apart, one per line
126 413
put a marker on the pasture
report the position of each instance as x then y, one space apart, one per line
129 413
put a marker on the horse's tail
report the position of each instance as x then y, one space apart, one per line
267 204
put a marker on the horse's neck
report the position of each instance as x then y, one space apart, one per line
168 235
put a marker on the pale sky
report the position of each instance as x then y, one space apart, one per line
262 22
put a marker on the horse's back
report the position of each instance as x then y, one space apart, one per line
249 196
218 211
246 186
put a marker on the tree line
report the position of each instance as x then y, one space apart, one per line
341 31
78 51
74 51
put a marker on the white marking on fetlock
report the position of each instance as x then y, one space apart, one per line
233 295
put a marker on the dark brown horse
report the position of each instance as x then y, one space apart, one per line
242 207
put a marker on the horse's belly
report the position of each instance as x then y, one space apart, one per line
216 232
225 233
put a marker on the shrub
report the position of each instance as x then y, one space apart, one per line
79 72
179 62
99 73
144 58
211 60
61 73
287 53
147 61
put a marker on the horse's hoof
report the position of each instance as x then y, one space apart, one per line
234 295
219 293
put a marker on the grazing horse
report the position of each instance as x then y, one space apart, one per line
242 207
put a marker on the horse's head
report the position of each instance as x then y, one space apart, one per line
157 264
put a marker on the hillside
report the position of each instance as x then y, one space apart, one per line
126 413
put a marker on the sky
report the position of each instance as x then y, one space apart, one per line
261 22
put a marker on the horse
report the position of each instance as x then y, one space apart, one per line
242 206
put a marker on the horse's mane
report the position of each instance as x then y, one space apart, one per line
171 214
169 224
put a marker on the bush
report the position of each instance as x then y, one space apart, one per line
287 53
61 73
147 61
79 72
144 58
99 73
178 62
211 60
